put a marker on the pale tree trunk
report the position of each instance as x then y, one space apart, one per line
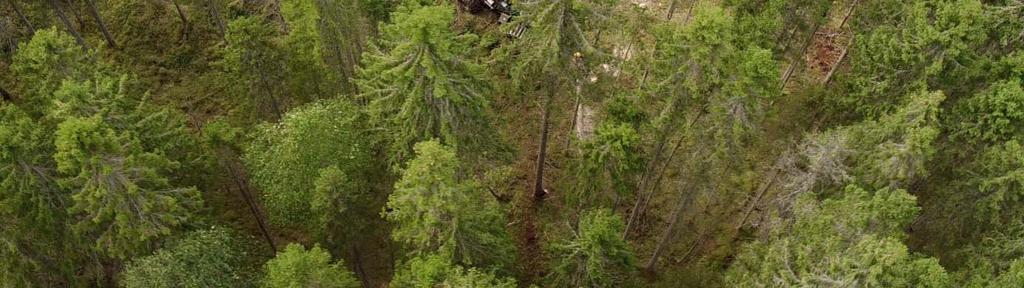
575 116
184 20
842 56
31 28
67 24
538 187
99 21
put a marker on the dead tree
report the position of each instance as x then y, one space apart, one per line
67 24
99 21
686 197
237 173
184 20
31 28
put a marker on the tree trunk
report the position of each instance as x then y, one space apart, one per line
67 24
848 14
757 198
31 28
684 200
103 26
792 69
270 94
243 189
672 9
689 11
357 257
5 95
215 15
575 117
842 56
184 20
538 187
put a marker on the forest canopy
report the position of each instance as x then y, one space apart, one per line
511 143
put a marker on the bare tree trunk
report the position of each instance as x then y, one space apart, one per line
280 16
575 117
800 57
842 56
689 11
243 189
848 14
684 200
184 20
67 24
757 198
31 28
215 15
270 94
644 197
538 187
672 9
103 26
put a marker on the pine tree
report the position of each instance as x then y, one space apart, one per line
549 60
596 255
309 76
254 64
120 197
421 85
434 212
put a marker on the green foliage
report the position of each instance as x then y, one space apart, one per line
896 54
32 209
596 255
433 270
297 267
121 196
614 154
308 73
545 56
993 116
253 64
421 88
44 63
852 240
203 258
706 67
341 206
286 158
434 212
994 189
895 148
